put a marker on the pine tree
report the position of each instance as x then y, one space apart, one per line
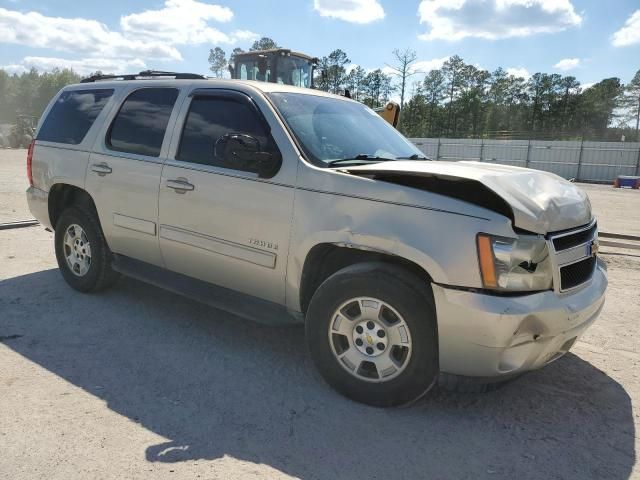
218 62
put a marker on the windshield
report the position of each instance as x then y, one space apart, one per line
294 71
330 129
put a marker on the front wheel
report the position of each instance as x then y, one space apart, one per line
371 330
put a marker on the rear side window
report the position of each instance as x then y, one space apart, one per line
72 115
210 118
142 121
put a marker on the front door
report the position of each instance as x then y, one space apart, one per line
219 221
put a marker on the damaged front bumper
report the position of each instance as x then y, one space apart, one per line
484 335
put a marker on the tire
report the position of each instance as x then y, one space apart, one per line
99 275
404 298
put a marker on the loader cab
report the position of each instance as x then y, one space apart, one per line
276 66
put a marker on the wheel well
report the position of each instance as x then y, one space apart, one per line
326 259
62 196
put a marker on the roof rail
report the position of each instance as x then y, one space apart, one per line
143 75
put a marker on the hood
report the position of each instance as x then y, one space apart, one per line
540 202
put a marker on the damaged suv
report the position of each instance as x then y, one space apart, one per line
282 204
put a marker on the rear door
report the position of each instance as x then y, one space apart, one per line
124 170
219 221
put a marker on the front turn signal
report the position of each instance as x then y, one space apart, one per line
487 261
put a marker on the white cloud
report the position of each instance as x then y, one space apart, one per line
587 85
419 67
387 70
495 19
425 66
567 64
354 11
179 22
151 35
630 33
84 66
519 72
77 35
244 35
14 68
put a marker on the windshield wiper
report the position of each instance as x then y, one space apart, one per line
415 156
362 157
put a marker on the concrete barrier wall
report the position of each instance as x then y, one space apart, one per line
586 161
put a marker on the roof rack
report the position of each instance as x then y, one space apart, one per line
144 75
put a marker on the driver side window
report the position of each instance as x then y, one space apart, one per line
210 118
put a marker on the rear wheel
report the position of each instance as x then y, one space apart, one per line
83 256
371 330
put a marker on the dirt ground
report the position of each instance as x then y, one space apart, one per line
13 183
140 383
617 209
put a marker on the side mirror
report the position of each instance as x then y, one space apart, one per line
234 146
238 148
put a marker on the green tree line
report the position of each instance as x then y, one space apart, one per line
456 100
30 92
462 100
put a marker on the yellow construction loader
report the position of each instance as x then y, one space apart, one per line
281 65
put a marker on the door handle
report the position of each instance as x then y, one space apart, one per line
101 169
180 185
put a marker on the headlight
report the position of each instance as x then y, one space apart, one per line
514 264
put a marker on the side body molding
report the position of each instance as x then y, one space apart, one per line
219 246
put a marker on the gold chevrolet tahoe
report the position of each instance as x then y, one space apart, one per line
282 205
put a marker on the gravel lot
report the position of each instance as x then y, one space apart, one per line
140 383
13 183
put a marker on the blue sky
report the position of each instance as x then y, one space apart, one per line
590 39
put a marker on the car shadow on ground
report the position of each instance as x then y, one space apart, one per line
217 385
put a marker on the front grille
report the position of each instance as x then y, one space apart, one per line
574 239
577 273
